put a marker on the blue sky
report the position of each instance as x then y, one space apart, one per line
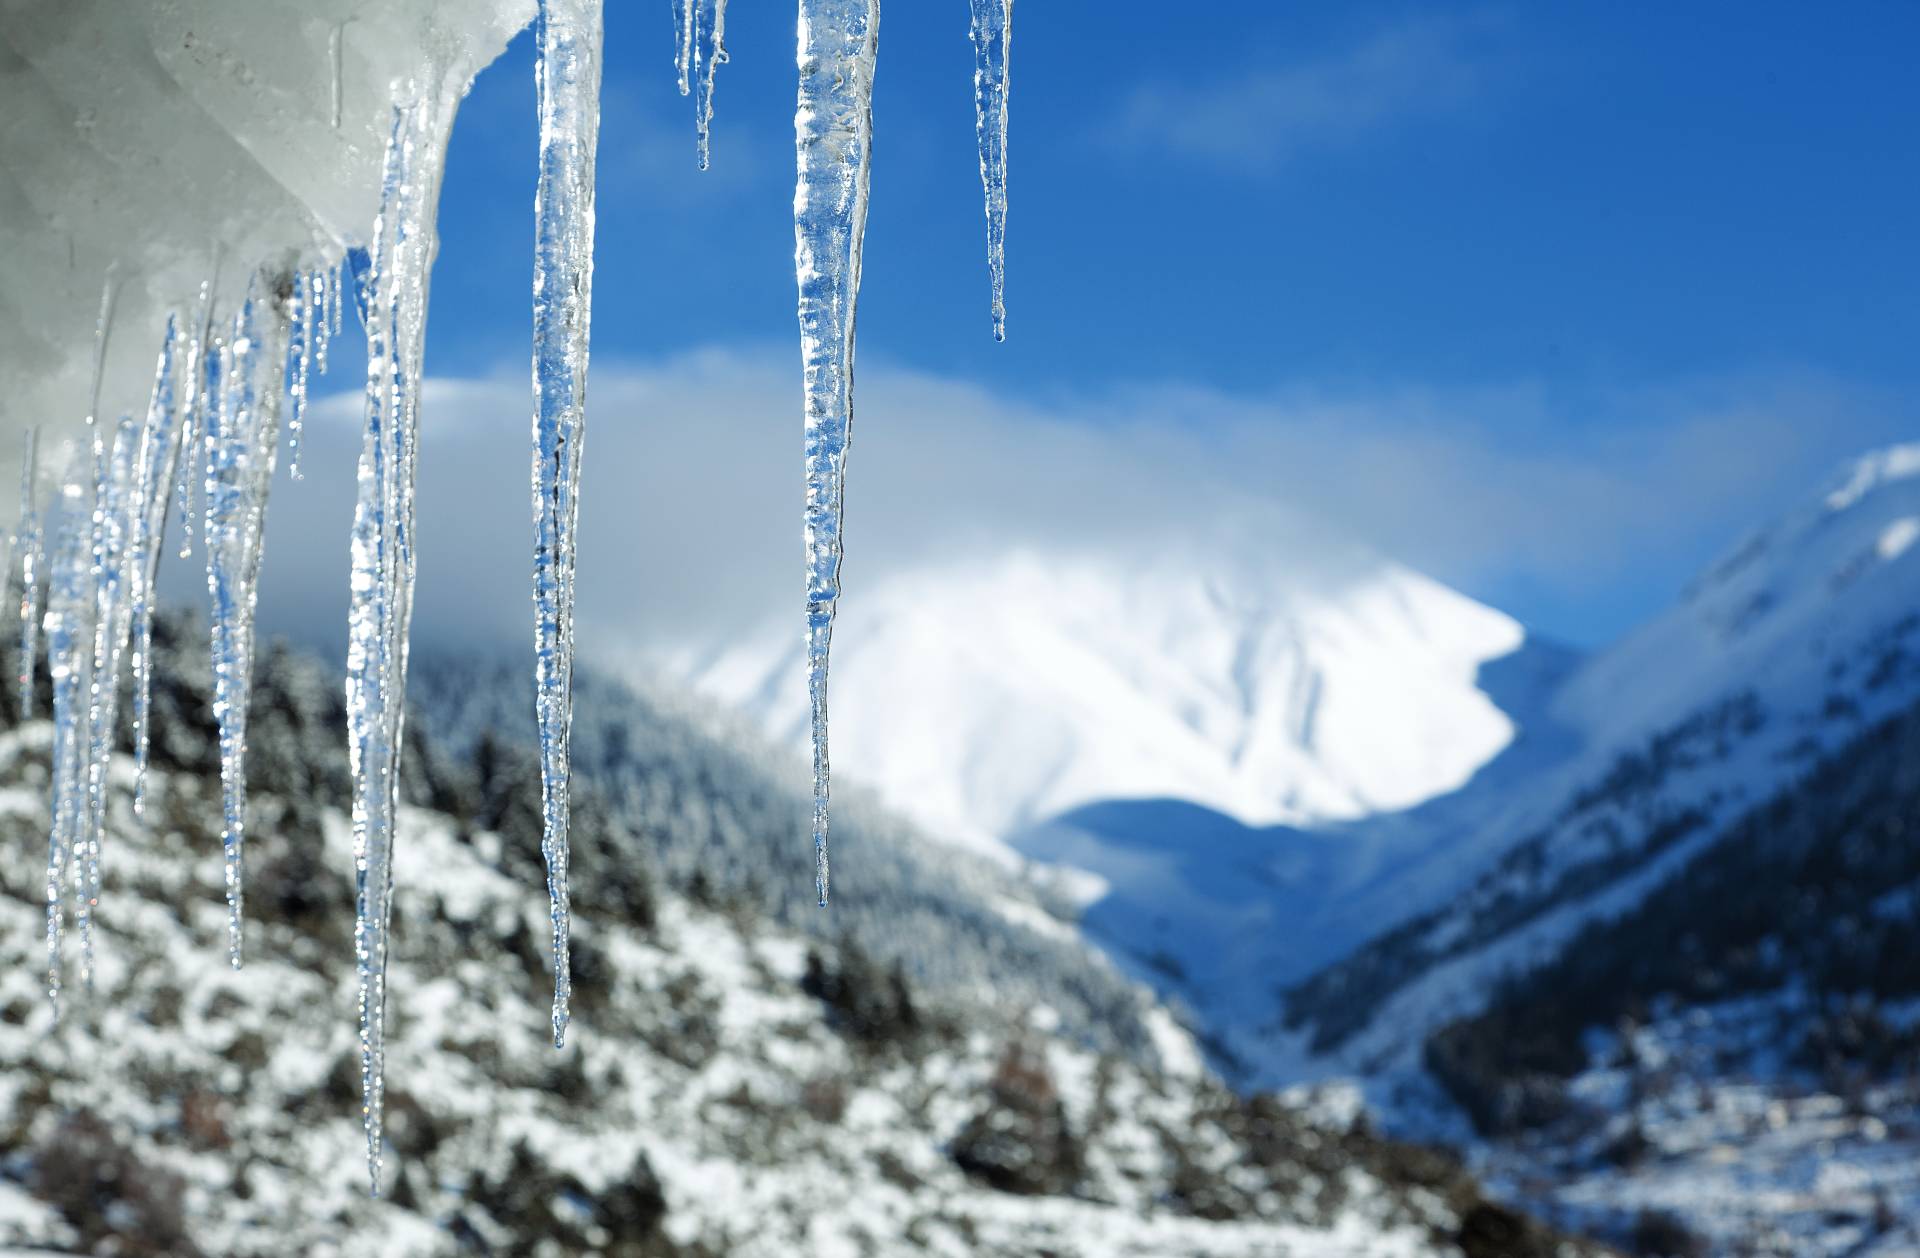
1560 298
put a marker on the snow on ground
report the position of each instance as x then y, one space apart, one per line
1696 1114
707 1101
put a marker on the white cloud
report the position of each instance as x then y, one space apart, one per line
690 516
1259 117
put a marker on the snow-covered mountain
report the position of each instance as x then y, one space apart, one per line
1675 966
1321 916
1785 651
1275 676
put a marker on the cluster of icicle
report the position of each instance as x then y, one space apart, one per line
213 423
213 417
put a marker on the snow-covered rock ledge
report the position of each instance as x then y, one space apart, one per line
135 134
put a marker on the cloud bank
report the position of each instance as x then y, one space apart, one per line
690 515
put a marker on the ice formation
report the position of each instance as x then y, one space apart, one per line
567 83
699 49
307 332
710 33
683 43
242 436
113 485
833 137
992 48
28 540
194 401
226 359
159 454
399 259
69 660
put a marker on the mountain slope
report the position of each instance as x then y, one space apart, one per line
1763 999
1268 672
731 1086
1804 637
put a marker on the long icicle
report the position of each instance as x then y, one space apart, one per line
567 80
833 133
159 452
31 543
69 655
102 330
113 488
992 51
80 845
243 432
709 40
399 262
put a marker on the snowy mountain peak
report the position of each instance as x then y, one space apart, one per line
1272 680
1870 507
1833 567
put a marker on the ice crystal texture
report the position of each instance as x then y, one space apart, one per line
833 136
992 47
159 454
29 540
710 53
194 403
243 431
567 78
399 259
69 627
113 490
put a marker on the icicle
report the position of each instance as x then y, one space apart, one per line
299 363
567 77
154 476
102 329
192 388
992 48
31 543
833 128
383 561
80 849
243 431
113 487
683 42
326 314
69 654
335 278
709 53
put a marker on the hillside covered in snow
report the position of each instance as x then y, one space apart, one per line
734 1085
